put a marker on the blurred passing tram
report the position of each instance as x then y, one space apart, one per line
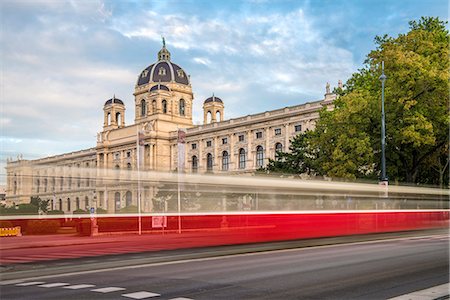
237 209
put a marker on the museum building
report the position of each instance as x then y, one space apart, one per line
163 102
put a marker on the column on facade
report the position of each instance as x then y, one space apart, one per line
199 159
267 150
286 137
233 160
249 163
186 156
215 155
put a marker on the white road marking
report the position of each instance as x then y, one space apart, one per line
181 298
30 283
14 281
427 294
141 295
216 258
108 289
57 284
78 286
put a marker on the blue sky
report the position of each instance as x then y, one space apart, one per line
60 60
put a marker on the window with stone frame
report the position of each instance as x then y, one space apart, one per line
209 162
259 135
225 160
278 148
242 158
182 107
194 164
277 131
259 156
241 138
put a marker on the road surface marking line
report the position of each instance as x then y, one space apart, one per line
181 298
14 281
50 285
426 294
262 252
141 295
30 283
108 289
78 286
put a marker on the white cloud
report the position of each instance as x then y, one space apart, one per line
82 53
202 60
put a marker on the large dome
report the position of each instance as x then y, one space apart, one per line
163 71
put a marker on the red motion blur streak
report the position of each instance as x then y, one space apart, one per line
116 233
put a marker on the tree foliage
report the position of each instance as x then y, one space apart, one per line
346 142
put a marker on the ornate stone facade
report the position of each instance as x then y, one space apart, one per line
163 105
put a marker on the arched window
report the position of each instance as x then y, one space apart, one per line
129 166
60 204
194 164
45 185
86 202
128 200
109 119
208 117
117 200
182 107
118 118
259 156
77 203
241 158
37 185
143 108
154 107
278 148
117 167
225 161
217 116
68 204
209 162
164 106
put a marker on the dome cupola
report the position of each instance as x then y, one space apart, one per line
163 71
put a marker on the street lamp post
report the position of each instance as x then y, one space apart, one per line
383 178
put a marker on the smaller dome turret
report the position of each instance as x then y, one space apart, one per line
114 114
213 99
213 110
114 100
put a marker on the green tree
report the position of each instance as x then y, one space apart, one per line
301 158
346 142
42 205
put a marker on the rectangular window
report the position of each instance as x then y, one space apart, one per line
259 135
208 143
277 131
224 141
241 138
298 128
194 146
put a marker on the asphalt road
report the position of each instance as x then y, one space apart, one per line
368 270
